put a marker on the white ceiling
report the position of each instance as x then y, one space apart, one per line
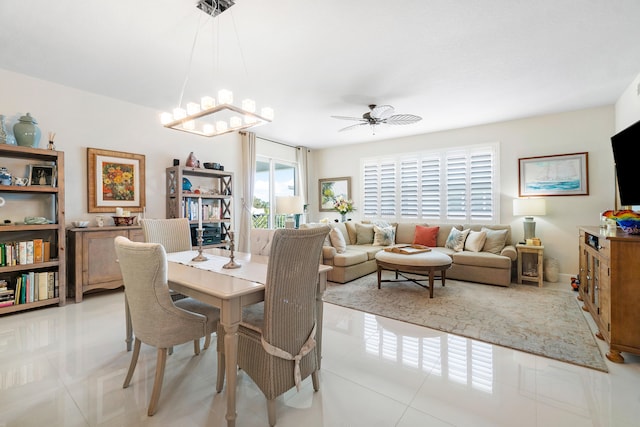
456 63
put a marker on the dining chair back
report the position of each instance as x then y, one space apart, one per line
278 349
156 319
173 233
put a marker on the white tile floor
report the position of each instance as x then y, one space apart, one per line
65 367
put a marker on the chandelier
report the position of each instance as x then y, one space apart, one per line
211 116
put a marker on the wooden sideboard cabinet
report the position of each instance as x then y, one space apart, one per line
92 257
610 287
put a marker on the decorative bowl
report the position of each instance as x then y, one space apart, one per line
80 224
629 225
123 220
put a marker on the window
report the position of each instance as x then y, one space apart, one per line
273 178
458 185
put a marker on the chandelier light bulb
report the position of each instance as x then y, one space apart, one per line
225 96
208 129
193 108
189 124
166 118
249 119
207 102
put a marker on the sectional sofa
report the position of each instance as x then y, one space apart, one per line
491 263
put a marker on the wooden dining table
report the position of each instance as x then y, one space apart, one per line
230 290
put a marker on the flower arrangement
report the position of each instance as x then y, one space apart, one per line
342 205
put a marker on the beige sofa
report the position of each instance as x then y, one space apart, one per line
359 259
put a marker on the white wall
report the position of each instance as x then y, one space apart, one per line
627 109
81 119
585 130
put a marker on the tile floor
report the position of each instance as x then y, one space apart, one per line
65 367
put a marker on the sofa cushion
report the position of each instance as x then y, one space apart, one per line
481 259
495 241
384 236
405 232
443 234
426 236
456 239
337 240
350 229
370 250
350 257
364 234
475 241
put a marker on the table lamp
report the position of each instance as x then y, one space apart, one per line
529 208
289 205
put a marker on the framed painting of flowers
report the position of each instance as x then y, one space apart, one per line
116 179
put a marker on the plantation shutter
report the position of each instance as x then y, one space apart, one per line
370 187
409 191
456 182
430 188
481 186
387 188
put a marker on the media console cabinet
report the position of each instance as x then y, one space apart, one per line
610 287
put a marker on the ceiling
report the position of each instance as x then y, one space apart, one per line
455 63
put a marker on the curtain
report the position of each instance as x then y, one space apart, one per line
248 174
303 173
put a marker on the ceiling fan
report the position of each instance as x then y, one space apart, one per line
379 115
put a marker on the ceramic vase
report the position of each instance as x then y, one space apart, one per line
27 132
344 217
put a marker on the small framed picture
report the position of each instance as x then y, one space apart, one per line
42 175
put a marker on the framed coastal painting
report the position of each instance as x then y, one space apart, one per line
115 180
558 175
330 189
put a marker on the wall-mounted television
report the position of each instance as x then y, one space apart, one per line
626 155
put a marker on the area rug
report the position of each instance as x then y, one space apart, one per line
540 321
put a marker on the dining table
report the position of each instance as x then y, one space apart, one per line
229 289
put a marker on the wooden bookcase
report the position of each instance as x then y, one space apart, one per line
610 287
216 190
36 201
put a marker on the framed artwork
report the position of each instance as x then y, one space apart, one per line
116 180
330 189
42 175
559 175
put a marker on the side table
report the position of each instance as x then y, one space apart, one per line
530 261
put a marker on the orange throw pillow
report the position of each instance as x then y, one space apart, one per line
426 236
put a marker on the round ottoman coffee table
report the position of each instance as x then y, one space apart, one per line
423 264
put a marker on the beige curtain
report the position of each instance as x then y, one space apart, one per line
248 174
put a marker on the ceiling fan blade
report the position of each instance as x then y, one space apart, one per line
358 119
402 119
352 127
382 112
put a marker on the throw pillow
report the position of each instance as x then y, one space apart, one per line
337 240
475 241
456 239
384 236
364 234
496 240
426 236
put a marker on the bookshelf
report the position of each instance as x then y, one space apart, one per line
33 202
216 190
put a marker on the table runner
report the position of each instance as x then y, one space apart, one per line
252 271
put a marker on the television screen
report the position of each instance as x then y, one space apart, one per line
626 147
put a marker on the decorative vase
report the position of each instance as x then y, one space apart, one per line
343 217
27 132
3 131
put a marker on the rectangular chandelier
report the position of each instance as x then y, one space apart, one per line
209 119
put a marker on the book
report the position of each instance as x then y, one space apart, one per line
29 251
50 284
6 303
22 252
37 250
43 283
46 251
408 249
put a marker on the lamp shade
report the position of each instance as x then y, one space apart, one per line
287 205
529 207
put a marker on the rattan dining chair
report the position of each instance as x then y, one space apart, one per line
157 320
276 339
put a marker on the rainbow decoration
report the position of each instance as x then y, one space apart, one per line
628 220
